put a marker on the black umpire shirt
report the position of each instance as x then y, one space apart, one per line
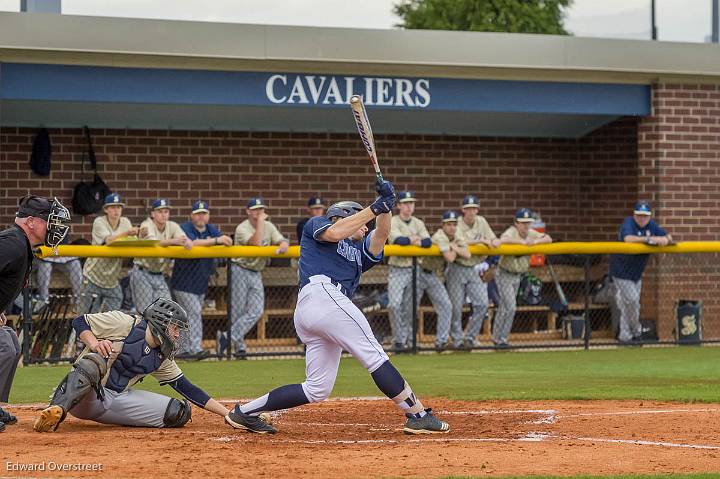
15 264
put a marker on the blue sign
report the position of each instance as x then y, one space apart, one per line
193 87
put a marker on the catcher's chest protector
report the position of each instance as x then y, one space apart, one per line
136 358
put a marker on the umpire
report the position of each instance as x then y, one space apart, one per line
38 221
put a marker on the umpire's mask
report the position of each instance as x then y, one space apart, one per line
168 322
57 227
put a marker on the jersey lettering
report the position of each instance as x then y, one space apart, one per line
349 252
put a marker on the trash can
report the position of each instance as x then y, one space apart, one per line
689 327
573 326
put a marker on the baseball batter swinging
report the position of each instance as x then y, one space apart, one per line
120 351
335 250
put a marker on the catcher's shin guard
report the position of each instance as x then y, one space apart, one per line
87 374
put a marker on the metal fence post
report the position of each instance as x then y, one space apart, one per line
228 301
414 304
587 302
26 325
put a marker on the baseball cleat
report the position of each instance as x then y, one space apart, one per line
428 424
2 426
49 420
6 417
257 424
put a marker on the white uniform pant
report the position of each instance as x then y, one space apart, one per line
627 298
508 284
246 305
464 282
192 304
132 407
327 322
72 269
146 287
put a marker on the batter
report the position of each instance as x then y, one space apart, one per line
335 250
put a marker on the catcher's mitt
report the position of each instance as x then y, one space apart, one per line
489 274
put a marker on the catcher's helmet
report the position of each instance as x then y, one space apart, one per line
160 315
343 209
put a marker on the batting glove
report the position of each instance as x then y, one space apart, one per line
383 204
384 188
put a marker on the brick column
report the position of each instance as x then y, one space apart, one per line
678 171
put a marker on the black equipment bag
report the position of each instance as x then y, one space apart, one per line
40 159
88 197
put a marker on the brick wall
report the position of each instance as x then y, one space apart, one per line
565 180
678 151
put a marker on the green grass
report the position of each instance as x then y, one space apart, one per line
669 374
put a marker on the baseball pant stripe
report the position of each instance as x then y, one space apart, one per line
365 334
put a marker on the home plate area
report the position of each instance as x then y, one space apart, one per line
362 437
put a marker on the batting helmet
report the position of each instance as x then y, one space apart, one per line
160 316
343 209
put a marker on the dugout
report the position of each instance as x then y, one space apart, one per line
575 128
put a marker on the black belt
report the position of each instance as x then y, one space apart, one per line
246 269
428 271
339 286
142 268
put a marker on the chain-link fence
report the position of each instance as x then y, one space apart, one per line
560 300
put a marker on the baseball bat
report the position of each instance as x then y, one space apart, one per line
558 288
365 132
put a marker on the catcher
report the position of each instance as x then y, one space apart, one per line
120 350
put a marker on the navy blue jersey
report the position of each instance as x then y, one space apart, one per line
193 275
632 266
343 262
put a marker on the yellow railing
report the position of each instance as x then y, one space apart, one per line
390 250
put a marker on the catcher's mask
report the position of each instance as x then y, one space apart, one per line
168 322
53 212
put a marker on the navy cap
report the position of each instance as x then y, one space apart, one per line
524 215
642 208
449 216
470 201
113 199
316 202
256 203
406 197
200 206
160 203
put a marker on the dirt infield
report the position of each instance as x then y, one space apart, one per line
363 438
